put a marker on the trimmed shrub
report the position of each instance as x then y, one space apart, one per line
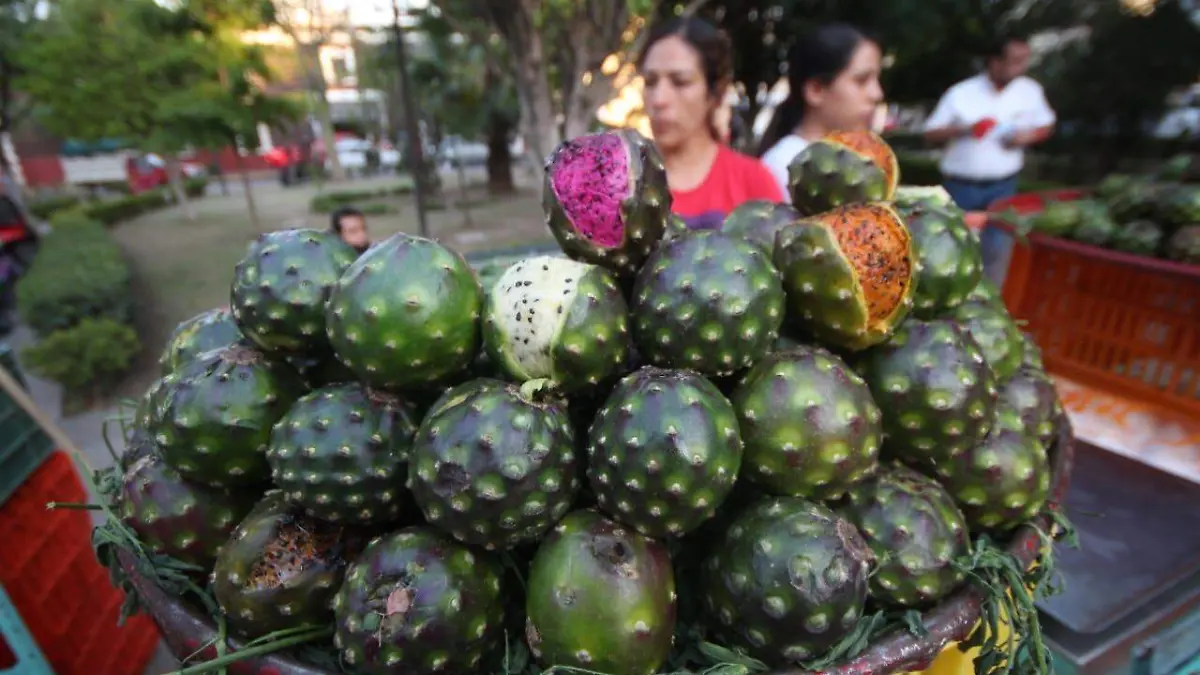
85 358
332 200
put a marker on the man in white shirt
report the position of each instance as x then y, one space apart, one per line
986 122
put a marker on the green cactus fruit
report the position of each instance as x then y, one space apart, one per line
601 598
787 581
1113 185
281 286
916 532
909 196
849 274
341 453
810 426
1057 219
406 313
202 333
664 451
934 388
558 319
1184 245
606 198
758 221
172 517
986 292
1096 226
494 464
320 371
1002 482
140 444
1033 353
1140 200
951 259
1180 205
1031 393
843 168
996 334
281 569
151 402
215 417
419 603
676 227
708 302
1141 237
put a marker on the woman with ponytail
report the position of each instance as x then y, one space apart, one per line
687 67
833 82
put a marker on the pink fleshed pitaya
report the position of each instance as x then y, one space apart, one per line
606 198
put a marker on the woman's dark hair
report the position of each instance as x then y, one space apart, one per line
713 45
821 55
335 219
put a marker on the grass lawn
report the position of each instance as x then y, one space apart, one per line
185 267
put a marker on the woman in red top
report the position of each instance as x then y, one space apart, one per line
687 66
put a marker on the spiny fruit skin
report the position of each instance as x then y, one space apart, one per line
1031 394
494 465
934 388
843 168
172 517
758 221
708 302
664 451
849 274
559 319
1180 205
908 196
676 227
281 569
810 426
1058 219
996 334
416 602
1184 245
787 580
606 198
601 598
951 259
341 453
1096 226
141 444
214 422
281 286
1002 482
1033 353
1141 237
916 532
201 333
986 292
406 313
320 371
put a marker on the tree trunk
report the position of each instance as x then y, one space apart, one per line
499 158
175 180
514 20
248 189
319 89
464 201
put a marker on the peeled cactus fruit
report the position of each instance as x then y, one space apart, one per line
786 581
601 597
494 464
951 259
419 603
214 418
1004 480
996 334
172 517
664 451
341 454
937 394
849 167
916 532
281 286
559 319
406 313
758 221
606 198
280 569
708 302
849 274
201 333
809 424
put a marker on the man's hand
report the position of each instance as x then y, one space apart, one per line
947 133
1024 139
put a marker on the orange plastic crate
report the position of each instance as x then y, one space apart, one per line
1124 323
61 591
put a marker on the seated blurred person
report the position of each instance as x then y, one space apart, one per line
351 225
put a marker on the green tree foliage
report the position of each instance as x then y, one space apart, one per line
17 20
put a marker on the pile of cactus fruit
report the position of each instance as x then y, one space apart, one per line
1152 215
755 439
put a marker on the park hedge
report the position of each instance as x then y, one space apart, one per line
117 209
